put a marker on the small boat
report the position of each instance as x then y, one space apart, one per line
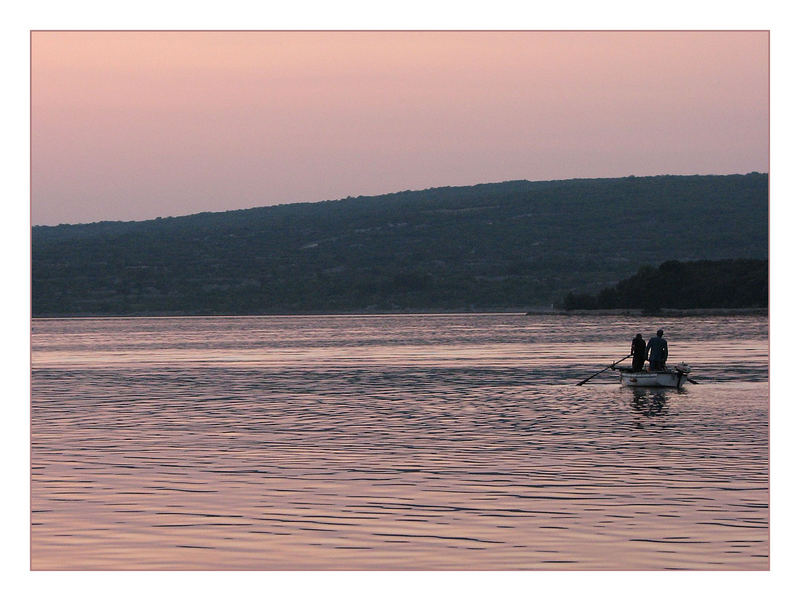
667 378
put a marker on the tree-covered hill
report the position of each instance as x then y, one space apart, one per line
491 246
729 283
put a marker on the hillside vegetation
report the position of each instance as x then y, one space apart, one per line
739 283
492 246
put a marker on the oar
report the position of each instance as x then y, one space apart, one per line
691 380
602 370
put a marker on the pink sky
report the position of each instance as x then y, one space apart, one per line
135 125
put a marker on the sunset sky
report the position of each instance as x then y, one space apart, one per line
135 125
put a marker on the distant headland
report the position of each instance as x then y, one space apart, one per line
694 287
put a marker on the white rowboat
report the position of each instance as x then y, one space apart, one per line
667 378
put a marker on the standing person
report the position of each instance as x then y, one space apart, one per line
657 347
639 352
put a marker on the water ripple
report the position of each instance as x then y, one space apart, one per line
436 442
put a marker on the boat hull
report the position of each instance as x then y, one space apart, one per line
654 379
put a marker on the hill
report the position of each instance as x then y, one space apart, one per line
729 284
491 246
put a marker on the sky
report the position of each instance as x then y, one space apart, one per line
137 125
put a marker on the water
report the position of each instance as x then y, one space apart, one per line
395 442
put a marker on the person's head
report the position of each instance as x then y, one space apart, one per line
639 336
660 333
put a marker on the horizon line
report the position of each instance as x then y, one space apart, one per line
365 196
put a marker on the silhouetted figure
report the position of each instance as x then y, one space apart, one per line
657 347
639 352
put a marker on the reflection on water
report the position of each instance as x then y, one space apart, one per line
650 401
435 442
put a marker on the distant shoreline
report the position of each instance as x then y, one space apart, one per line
512 311
661 312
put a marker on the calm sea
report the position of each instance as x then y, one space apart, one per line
395 442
